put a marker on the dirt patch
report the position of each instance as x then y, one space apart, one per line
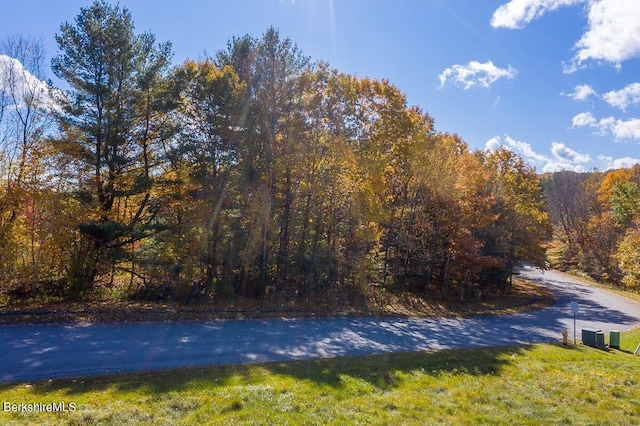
524 296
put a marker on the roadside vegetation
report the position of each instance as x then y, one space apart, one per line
252 173
523 296
596 218
529 385
254 183
258 175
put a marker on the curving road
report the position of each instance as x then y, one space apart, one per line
52 351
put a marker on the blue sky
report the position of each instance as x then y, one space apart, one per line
557 81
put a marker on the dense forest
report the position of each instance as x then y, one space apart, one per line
256 172
596 220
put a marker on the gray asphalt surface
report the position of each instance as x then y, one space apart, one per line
52 351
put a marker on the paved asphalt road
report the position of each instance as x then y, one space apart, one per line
51 351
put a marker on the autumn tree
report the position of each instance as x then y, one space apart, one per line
624 203
521 223
257 173
570 203
616 192
628 255
595 215
25 119
270 67
113 119
202 171
329 229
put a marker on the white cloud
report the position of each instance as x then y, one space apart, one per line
620 129
521 148
21 86
564 153
613 32
563 157
618 163
629 129
582 92
516 14
556 166
625 162
605 159
525 149
583 119
587 119
476 74
623 98
493 144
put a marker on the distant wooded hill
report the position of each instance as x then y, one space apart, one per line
596 218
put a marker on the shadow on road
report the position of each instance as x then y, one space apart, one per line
595 305
41 352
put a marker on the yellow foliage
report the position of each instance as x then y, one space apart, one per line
609 182
629 259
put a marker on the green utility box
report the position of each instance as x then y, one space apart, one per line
614 339
589 336
600 340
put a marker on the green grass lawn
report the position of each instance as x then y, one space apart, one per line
536 384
